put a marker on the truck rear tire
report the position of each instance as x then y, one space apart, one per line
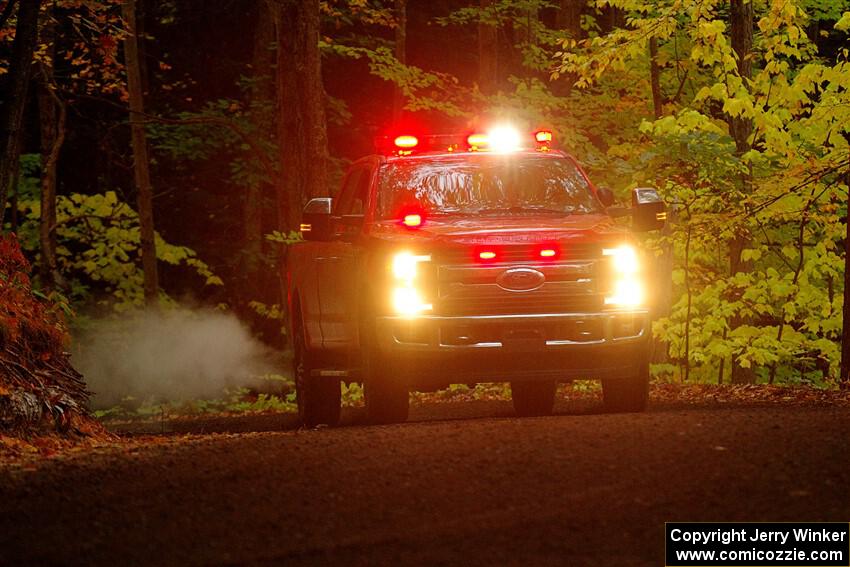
627 395
533 398
318 399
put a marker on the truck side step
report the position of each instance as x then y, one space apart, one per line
347 376
330 372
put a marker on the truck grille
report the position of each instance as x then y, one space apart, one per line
522 253
572 284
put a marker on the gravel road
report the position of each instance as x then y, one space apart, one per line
462 483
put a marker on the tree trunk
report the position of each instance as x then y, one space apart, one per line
13 199
664 263
141 45
569 18
844 378
302 123
400 54
252 275
141 164
52 137
264 58
526 34
13 103
655 78
741 14
488 52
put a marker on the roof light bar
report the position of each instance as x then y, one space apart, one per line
499 139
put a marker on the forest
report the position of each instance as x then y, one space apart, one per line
156 156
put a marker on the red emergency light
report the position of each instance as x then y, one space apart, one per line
406 142
477 141
411 216
548 251
485 254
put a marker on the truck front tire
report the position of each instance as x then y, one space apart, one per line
318 399
627 395
385 387
387 400
533 398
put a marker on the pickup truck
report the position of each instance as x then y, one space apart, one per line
484 259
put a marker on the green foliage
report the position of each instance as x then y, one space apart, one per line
98 252
281 238
219 129
785 197
237 400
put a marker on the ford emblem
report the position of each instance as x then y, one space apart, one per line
520 279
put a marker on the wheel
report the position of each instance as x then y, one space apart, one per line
533 398
318 399
385 390
629 394
385 387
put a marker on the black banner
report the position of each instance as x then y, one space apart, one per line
757 544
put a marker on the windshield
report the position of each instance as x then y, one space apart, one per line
485 184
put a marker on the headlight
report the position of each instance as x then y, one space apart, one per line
626 286
406 298
405 265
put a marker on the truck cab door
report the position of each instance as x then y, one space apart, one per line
337 263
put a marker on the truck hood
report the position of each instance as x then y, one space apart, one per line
504 230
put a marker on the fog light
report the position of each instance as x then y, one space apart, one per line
405 265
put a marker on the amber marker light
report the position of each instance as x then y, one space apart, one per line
487 255
543 136
413 220
548 253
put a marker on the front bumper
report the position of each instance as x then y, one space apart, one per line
434 350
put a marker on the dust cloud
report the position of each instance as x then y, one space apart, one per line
173 355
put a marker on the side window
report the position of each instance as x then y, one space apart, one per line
355 191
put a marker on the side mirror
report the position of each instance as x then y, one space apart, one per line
316 220
648 210
606 196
